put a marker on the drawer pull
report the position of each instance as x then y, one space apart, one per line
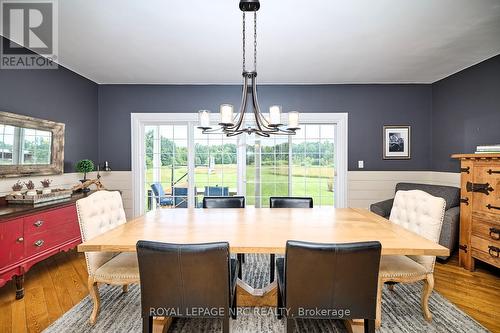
466 170
492 171
465 201
39 242
20 240
38 223
492 207
481 188
495 233
494 251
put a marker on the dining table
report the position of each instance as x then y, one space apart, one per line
264 230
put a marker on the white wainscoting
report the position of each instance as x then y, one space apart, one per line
363 187
367 187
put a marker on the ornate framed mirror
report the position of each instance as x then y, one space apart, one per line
30 146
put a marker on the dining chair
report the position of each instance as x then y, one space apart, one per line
181 279
98 213
161 198
224 202
328 281
422 214
286 202
227 202
218 191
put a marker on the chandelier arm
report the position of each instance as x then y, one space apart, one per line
259 119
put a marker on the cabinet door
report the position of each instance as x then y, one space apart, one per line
488 201
11 242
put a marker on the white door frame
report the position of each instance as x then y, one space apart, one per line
139 120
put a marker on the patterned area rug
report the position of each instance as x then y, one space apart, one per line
401 312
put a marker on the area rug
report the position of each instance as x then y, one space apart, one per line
120 312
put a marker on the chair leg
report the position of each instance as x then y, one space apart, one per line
147 324
369 326
378 311
241 259
426 293
234 307
96 299
272 267
290 325
125 288
279 307
225 325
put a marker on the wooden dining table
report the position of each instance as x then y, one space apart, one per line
263 230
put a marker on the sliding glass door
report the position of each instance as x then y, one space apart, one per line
179 165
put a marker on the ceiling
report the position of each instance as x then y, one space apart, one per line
299 42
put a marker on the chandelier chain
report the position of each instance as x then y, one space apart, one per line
255 41
244 42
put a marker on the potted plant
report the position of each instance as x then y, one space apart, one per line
46 186
16 188
84 166
31 188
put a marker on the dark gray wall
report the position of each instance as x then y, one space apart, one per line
59 95
369 107
465 113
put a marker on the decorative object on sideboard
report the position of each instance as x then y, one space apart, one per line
40 199
84 166
31 188
488 149
397 142
43 148
17 187
85 185
103 167
46 186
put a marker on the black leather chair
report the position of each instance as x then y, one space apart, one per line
286 202
224 202
290 202
180 278
341 279
227 202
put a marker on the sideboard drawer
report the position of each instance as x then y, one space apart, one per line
490 248
11 242
50 220
489 230
41 241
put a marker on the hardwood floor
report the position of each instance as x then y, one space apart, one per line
55 285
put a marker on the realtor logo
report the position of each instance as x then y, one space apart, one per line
29 29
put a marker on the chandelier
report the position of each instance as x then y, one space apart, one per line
231 124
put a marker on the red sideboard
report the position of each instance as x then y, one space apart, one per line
29 235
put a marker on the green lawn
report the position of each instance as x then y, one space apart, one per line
313 181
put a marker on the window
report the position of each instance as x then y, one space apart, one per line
177 165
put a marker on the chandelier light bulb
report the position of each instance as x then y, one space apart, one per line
293 119
226 114
204 118
275 115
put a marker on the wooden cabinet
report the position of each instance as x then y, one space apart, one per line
31 235
480 209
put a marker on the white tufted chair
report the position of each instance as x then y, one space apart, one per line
98 213
423 214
